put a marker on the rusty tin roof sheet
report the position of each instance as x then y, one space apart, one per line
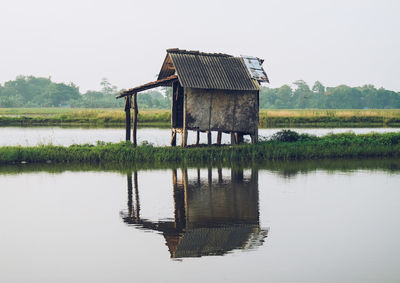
255 69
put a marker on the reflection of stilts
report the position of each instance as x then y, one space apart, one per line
133 210
179 199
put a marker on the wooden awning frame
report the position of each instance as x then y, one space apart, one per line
163 82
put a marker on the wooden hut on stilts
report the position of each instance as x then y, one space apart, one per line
211 92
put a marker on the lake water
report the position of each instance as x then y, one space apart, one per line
315 221
157 136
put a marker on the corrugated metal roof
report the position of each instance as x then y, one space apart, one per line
208 70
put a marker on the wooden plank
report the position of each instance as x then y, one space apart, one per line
150 85
209 138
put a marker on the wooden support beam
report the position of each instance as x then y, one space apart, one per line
254 137
238 137
219 175
128 117
135 114
232 138
184 128
219 137
184 138
209 138
173 138
197 137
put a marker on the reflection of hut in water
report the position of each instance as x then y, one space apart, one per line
211 217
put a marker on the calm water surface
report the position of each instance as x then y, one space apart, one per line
289 222
159 137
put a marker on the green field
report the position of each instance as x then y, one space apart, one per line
285 145
268 118
73 116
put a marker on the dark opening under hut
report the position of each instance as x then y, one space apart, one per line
210 92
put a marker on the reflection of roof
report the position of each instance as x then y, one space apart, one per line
214 241
209 70
203 241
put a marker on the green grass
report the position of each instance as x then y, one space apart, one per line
268 118
71 116
284 168
330 117
346 145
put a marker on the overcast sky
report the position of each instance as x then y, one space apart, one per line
353 42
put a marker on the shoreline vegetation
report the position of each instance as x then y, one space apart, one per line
268 118
284 145
286 169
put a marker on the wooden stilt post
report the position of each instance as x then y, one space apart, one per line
232 138
184 137
184 129
239 137
135 114
173 138
209 138
197 137
254 137
128 117
219 175
219 137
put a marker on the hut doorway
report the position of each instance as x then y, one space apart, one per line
177 105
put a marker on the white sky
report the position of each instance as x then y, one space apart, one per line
351 42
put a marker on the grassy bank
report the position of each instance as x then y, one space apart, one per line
284 147
70 116
330 118
268 118
284 168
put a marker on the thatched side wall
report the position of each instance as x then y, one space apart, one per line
221 110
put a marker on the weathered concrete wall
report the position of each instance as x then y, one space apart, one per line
219 110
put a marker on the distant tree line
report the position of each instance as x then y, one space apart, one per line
319 96
29 91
